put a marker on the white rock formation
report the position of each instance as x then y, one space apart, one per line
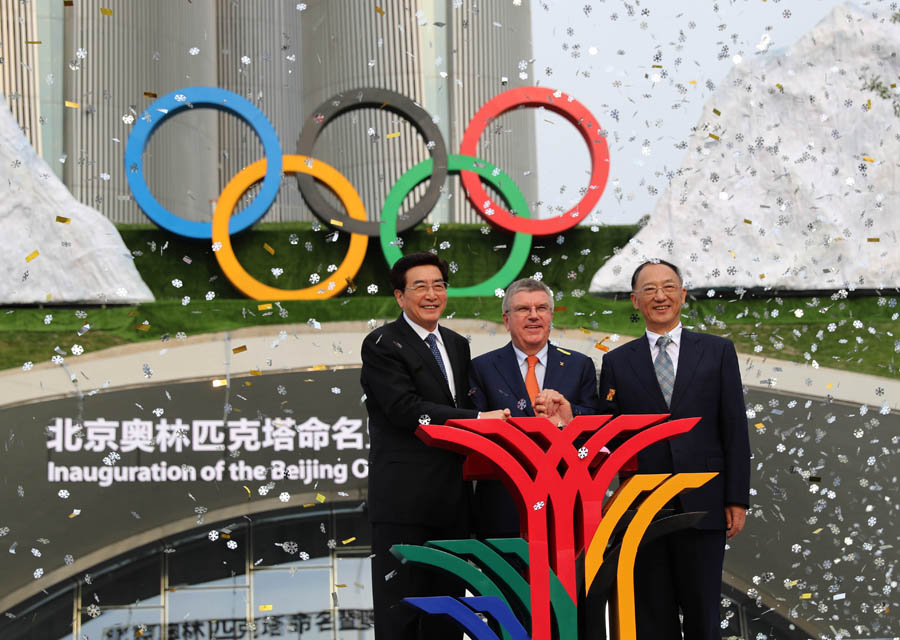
791 177
82 261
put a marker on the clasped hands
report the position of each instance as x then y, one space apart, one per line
549 403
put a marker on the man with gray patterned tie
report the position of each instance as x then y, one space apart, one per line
685 374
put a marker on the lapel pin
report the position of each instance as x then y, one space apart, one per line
610 395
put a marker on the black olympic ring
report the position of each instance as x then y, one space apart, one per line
381 99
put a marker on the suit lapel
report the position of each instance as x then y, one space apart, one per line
689 353
507 366
554 369
642 364
413 341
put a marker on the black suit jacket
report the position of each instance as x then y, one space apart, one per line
497 381
409 482
707 385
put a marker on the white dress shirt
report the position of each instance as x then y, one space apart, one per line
423 333
540 367
673 348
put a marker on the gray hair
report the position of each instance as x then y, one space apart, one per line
525 284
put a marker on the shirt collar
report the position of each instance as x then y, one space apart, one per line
521 356
421 331
675 334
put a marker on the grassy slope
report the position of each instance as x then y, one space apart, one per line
567 267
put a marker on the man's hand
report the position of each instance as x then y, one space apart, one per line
498 414
735 516
551 404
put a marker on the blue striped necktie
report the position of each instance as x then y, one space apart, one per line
665 370
431 339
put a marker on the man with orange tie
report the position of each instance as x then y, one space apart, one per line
531 377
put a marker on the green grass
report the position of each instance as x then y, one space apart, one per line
566 265
24 336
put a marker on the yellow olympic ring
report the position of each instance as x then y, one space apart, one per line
250 286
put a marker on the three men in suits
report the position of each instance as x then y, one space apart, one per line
524 375
414 372
686 374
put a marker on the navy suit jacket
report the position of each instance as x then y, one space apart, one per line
708 386
410 482
497 383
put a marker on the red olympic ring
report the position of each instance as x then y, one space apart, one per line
572 110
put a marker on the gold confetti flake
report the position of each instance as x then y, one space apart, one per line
320 497
396 134
265 607
31 256
873 239
805 596
341 586
264 306
72 105
32 42
349 540
336 223
748 221
219 382
106 11
268 248
713 136
239 349
568 353
379 11
732 254
247 489
63 219
602 347
144 326
255 372
717 112
319 367
868 159
760 425
150 94
762 276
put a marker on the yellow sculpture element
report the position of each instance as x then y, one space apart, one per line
250 286
664 487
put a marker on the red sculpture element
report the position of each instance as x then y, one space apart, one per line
552 479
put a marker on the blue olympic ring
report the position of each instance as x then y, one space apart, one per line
204 98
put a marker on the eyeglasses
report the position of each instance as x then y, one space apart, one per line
541 309
668 289
439 286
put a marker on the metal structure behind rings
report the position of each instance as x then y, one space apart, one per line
379 99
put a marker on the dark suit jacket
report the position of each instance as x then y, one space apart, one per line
497 383
409 482
708 385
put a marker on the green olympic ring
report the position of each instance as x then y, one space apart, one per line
456 163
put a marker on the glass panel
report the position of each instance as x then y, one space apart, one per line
227 602
353 525
285 542
137 583
119 624
355 599
291 591
52 620
205 560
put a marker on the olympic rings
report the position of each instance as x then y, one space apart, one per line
204 98
355 221
518 257
578 115
246 283
360 99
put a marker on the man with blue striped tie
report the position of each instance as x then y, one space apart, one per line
685 374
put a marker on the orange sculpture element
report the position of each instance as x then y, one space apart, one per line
559 487
250 286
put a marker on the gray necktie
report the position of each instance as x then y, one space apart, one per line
665 370
431 339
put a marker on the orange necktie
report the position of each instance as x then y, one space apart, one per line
531 384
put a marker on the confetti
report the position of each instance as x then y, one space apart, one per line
239 349
379 11
264 307
320 497
265 607
396 134
63 219
31 256
72 105
221 382
106 11
268 248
